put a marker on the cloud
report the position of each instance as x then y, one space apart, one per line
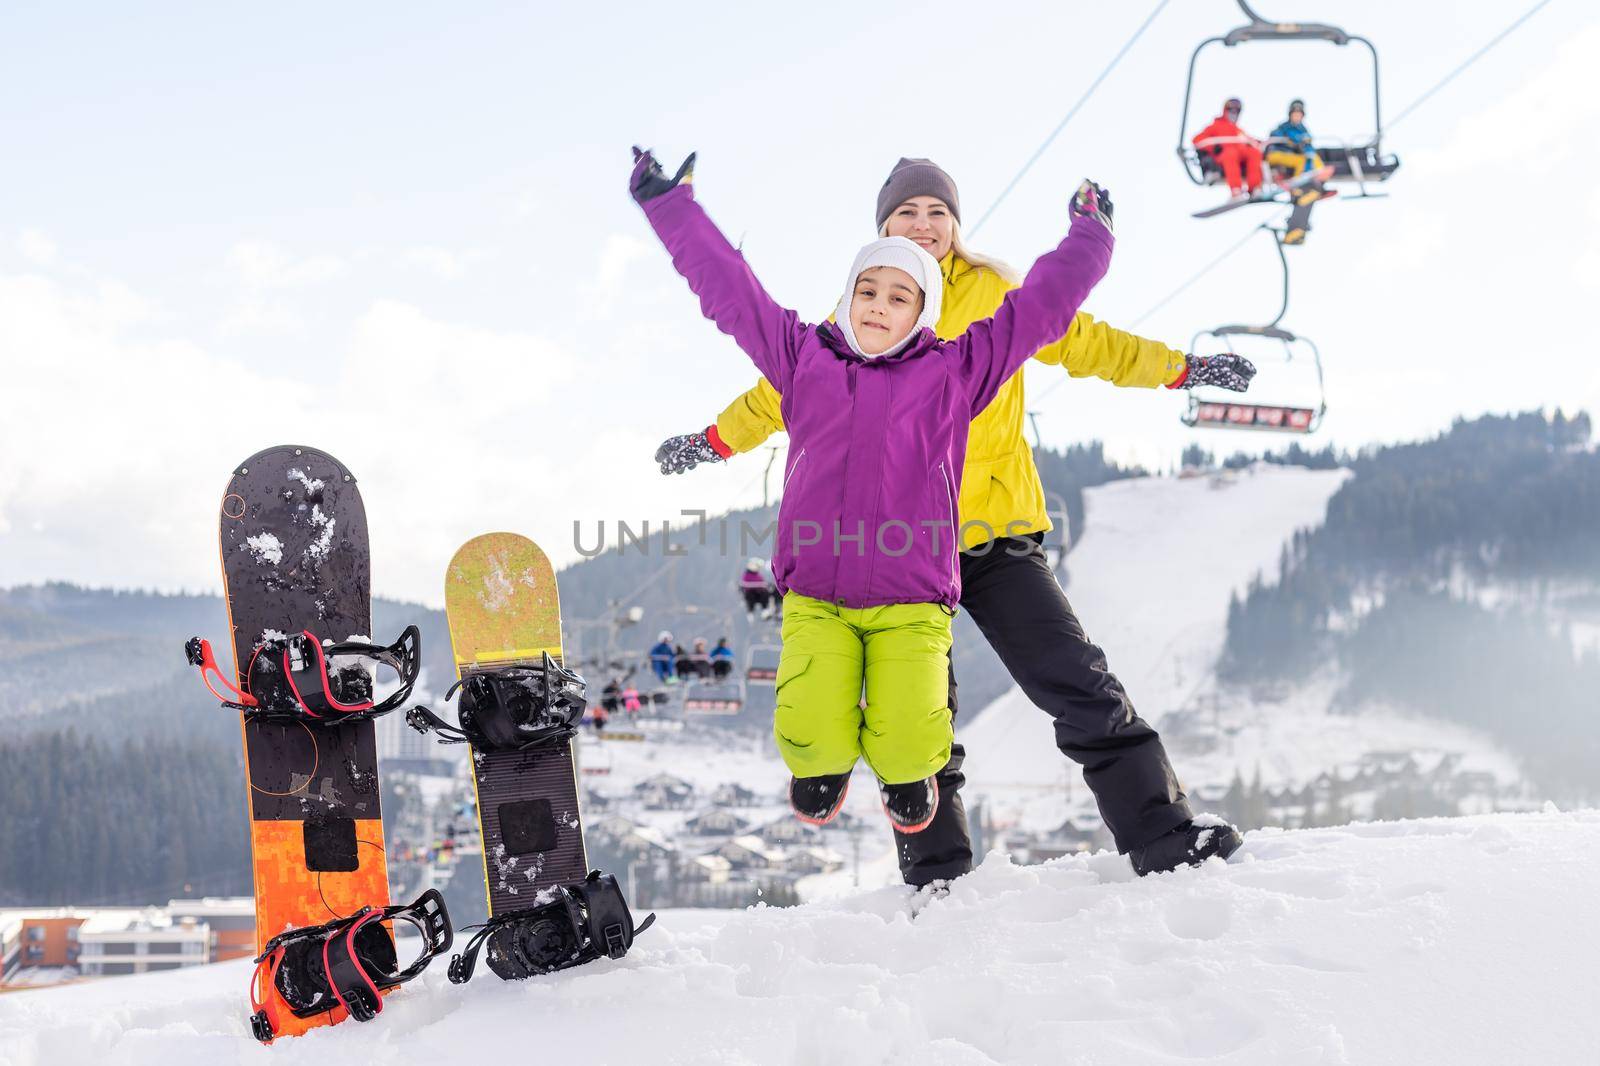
266 265
443 263
37 248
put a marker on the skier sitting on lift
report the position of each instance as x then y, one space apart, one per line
757 590
1233 149
630 701
1289 144
721 659
611 695
700 658
661 657
683 664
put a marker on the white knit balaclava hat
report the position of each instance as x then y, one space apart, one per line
902 254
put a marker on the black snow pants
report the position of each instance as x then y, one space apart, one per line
1012 594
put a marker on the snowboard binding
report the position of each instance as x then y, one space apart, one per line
581 923
511 708
291 678
346 964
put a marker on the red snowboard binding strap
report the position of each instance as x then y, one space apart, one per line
344 965
290 677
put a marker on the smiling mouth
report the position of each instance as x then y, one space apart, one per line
876 325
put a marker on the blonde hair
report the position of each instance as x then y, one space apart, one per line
972 259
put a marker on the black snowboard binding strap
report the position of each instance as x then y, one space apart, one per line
345 964
290 677
511 708
583 922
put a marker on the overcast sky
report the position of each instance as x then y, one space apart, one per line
407 240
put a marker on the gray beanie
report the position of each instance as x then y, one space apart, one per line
916 177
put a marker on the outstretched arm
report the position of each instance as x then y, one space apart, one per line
990 351
730 295
1093 349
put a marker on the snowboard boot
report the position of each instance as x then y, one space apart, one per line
817 800
910 806
1190 844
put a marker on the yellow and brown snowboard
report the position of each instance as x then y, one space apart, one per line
505 610
294 558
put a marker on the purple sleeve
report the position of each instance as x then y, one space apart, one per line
1034 314
730 295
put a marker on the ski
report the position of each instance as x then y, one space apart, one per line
1272 193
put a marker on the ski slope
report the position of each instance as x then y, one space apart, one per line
1455 941
1150 581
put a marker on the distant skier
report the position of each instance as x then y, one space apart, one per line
1235 151
721 660
1289 143
611 695
662 657
758 591
1291 154
700 658
683 664
598 716
630 701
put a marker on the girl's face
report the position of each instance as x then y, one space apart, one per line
884 308
926 220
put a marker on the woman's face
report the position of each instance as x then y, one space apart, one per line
883 308
926 220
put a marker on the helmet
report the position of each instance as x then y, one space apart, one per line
1297 105
753 564
664 637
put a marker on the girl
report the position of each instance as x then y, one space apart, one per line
877 409
1007 587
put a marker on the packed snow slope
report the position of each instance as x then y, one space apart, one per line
1454 941
1150 581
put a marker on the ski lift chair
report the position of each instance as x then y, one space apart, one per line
713 697
761 664
1359 163
1220 409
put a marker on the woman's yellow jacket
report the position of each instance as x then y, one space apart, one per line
1000 490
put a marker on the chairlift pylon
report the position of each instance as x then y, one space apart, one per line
1359 163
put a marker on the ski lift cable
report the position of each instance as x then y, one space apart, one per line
1173 295
1473 58
1502 35
1071 113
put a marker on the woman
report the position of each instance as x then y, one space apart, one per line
1007 586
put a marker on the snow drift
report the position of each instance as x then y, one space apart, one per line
1452 941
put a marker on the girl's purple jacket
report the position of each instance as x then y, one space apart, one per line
876 445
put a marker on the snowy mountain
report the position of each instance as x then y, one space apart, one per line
1451 941
1151 582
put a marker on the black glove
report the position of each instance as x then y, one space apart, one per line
1091 201
1225 371
678 454
649 181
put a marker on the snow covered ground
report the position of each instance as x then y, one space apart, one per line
1151 580
1456 942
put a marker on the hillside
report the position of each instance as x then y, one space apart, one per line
1403 943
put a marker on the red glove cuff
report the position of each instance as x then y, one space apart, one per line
715 440
1178 384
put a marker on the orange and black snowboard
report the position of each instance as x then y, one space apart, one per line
505 610
295 558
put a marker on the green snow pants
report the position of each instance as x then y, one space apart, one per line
902 655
